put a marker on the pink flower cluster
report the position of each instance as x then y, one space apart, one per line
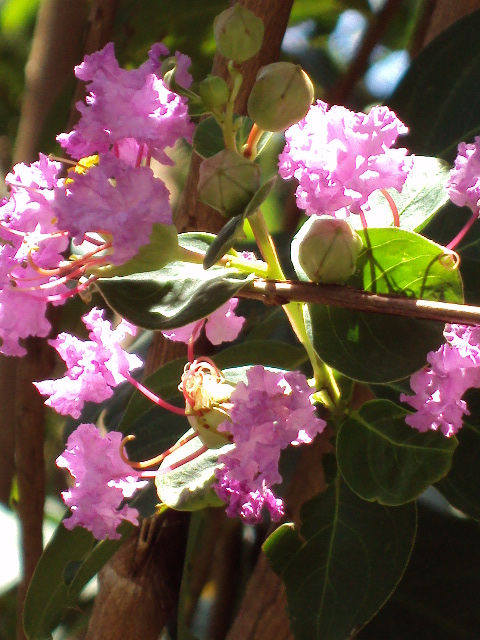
220 326
439 388
340 158
31 246
112 203
94 367
463 184
102 481
269 413
131 104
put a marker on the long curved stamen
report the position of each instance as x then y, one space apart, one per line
393 207
463 232
193 378
183 461
144 464
193 337
153 397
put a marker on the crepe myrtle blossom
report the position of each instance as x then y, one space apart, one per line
30 254
115 199
271 411
439 388
340 158
94 367
220 326
124 104
102 481
463 184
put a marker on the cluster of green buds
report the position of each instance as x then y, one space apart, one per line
281 96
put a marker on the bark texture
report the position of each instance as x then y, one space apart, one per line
139 586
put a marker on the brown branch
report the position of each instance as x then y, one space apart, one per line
276 292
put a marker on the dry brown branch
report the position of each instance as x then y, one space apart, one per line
275 292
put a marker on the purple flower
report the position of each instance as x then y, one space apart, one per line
269 413
340 158
438 389
463 184
115 198
102 481
94 367
31 246
133 103
220 326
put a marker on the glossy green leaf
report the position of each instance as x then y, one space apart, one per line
461 487
189 486
50 594
208 138
422 196
162 249
270 353
347 559
381 458
180 293
438 97
374 347
259 197
225 240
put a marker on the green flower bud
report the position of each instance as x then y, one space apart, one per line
214 92
327 249
227 182
238 33
281 96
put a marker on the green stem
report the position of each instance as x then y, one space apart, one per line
257 267
324 378
228 124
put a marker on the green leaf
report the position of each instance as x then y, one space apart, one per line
461 487
378 348
381 458
208 138
49 595
171 297
225 240
422 196
162 249
259 197
438 97
349 558
233 229
270 353
189 486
